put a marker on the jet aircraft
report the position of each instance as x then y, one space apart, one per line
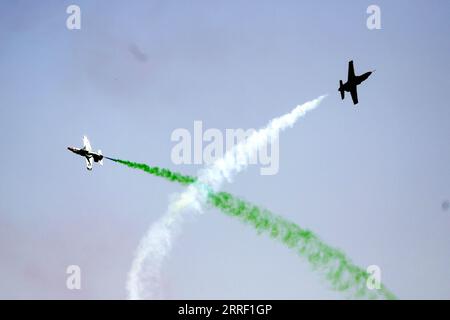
87 152
352 82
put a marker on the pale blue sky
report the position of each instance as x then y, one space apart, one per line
369 180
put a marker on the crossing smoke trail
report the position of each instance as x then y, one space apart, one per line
143 278
342 274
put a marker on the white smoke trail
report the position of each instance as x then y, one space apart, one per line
237 158
145 274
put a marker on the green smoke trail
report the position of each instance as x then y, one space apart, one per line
343 275
159 172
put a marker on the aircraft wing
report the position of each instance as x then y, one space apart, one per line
351 71
89 163
354 94
86 144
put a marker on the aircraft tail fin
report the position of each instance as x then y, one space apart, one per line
101 160
86 144
341 89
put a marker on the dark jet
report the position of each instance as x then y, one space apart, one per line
352 82
87 152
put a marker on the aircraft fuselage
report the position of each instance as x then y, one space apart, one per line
357 80
352 83
86 153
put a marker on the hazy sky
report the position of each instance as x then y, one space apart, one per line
369 180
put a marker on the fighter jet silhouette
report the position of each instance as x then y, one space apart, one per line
88 154
352 82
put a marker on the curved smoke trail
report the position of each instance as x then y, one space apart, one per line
145 274
332 263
